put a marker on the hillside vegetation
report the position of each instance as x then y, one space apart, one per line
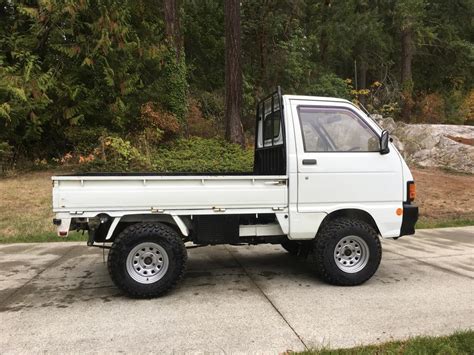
117 84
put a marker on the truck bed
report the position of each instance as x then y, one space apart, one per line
96 192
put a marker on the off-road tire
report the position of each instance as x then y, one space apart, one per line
328 238
128 239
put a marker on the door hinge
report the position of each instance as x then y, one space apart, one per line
218 209
157 210
278 208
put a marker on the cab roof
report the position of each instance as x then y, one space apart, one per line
317 98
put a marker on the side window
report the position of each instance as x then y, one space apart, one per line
271 130
335 130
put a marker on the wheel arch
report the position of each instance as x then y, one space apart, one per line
351 213
115 225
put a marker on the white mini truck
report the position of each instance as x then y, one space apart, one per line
327 183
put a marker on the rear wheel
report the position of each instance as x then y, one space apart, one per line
347 252
147 260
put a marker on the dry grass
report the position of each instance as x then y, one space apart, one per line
445 199
25 208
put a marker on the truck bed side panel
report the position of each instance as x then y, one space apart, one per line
186 193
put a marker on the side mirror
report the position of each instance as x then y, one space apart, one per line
384 139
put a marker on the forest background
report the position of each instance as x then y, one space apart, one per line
168 85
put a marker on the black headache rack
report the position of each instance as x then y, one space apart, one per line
270 138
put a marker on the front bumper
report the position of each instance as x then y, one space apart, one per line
410 216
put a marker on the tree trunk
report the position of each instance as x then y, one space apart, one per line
363 74
364 67
172 25
324 40
407 55
233 73
408 50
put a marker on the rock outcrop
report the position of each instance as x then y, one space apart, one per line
433 145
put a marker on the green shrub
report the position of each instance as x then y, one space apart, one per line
211 104
193 155
330 85
454 112
197 124
201 155
114 154
82 140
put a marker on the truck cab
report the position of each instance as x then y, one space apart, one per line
327 184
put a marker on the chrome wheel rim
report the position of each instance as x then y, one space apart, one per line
147 263
351 254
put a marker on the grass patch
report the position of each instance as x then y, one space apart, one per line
43 237
25 208
459 343
428 223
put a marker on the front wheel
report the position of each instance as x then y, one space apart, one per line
147 260
347 252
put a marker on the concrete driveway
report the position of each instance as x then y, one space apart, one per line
58 298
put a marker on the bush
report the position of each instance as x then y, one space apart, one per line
154 126
448 108
330 85
454 104
199 155
153 116
193 155
197 124
432 108
82 140
211 105
467 108
114 154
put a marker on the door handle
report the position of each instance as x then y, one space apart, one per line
279 182
309 162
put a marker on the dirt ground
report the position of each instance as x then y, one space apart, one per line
25 201
442 195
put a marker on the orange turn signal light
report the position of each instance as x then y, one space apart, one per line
399 211
411 191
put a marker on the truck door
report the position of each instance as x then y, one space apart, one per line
339 162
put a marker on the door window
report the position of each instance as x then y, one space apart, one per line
335 130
